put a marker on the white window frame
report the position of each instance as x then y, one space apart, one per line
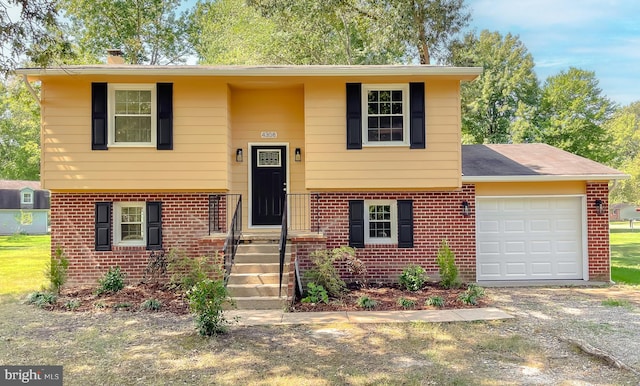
117 224
112 88
404 87
393 237
23 197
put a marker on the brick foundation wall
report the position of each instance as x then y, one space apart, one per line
598 232
436 216
185 223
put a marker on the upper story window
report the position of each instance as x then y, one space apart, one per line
132 117
385 114
26 197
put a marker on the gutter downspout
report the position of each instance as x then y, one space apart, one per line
31 90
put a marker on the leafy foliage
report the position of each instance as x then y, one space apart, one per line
406 303
413 278
504 98
471 294
434 301
152 304
41 299
207 299
315 294
366 303
57 270
112 281
323 271
624 127
447 266
186 271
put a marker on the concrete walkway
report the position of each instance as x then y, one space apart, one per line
273 317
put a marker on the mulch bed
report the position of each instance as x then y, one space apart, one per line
386 298
174 301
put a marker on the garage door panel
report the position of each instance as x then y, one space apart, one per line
524 238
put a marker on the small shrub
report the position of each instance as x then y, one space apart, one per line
355 266
323 271
156 266
207 300
72 304
447 266
434 301
471 295
186 271
111 282
366 303
406 303
151 305
125 305
413 278
57 270
316 294
42 299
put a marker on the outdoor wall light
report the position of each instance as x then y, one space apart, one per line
239 157
599 206
297 155
466 210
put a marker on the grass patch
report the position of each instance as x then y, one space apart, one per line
616 303
22 263
625 253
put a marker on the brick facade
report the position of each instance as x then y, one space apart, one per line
185 225
598 232
436 216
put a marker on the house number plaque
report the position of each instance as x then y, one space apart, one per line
268 134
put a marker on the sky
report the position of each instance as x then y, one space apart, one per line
595 35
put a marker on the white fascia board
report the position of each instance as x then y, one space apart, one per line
467 73
545 178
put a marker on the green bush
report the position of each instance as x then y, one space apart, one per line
151 305
186 271
434 301
323 271
207 299
366 303
72 304
406 303
471 295
111 282
316 294
447 266
413 278
42 299
57 270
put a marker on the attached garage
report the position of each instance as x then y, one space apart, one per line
530 238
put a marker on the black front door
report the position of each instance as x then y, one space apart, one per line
268 184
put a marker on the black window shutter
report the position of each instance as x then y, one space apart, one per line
99 116
405 224
165 116
354 116
356 223
154 225
103 226
417 116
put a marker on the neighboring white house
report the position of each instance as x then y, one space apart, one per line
625 212
24 208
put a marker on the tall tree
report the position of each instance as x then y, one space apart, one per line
505 95
147 31
29 32
19 132
572 115
426 27
624 127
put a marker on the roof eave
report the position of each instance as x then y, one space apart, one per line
462 73
545 178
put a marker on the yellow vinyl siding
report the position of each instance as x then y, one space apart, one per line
198 162
330 166
530 188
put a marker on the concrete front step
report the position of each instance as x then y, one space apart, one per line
243 268
256 278
260 303
250 290
257 258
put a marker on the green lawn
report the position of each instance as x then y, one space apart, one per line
22 263
625 253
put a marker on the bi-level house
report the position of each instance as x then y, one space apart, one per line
144 158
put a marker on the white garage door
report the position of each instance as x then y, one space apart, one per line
529 238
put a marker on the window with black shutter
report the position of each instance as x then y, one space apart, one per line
154 225
103 226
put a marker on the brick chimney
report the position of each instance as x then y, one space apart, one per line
114 56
